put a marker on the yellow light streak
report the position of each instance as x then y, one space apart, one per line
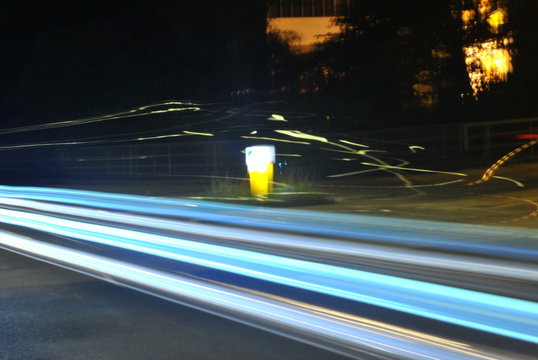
352 143
518 183
290 155
301 135
488 174
136 112
274 139
391 186
413 148
159 137
354 152
413 169
276 117
197 133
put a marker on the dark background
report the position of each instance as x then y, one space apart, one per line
64 59
67 59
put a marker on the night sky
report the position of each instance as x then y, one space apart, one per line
22 23
64 59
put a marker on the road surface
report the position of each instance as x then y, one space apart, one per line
49 313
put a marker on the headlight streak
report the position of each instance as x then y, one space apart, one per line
473 239
339 332
308 244
481 311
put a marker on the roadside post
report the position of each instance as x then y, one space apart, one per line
260 162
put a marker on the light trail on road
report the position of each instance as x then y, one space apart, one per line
466 238
322 327
336 248
227 238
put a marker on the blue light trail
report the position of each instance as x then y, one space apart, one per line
51 211
454 237
341 332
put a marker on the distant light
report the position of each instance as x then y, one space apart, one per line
467 16
488 59
497 19
487 63
528 136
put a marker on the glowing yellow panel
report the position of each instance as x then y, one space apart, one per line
260 164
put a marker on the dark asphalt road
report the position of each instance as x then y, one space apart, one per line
48 313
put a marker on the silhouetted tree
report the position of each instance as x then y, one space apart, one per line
394 62
401 60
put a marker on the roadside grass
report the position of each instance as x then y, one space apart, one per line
295 189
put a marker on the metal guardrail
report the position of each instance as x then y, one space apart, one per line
472 278
486 136
483 141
